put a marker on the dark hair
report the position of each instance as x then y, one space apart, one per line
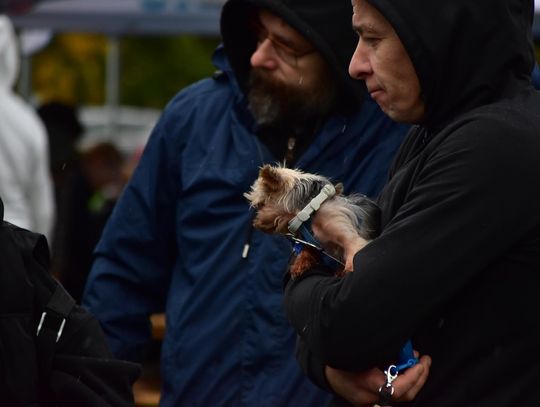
62 118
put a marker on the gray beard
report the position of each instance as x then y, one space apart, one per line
276 104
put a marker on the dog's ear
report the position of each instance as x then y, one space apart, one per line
339 188
271 178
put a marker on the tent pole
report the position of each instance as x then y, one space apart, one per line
25 78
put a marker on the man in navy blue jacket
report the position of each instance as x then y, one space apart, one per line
180 240
536 76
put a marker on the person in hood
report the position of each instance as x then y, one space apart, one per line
180 239
26 186
456 267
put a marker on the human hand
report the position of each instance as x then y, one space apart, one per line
362 389
338 236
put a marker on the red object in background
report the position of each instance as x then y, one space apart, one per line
16 7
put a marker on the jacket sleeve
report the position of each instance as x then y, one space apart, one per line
130 276
463 211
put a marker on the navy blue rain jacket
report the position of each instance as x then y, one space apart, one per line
536 76
175 242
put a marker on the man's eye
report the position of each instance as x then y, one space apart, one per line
371 41
285 48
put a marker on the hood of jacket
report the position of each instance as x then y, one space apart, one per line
9 58
466 53
326 24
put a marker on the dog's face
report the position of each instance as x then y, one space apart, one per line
280 193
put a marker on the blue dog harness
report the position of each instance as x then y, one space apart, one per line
301 225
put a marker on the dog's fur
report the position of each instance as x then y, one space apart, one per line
280 193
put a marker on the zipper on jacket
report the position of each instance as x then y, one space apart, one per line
249 234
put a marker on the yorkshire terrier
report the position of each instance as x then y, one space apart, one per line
287 199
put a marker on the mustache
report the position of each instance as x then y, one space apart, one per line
275 102
261 80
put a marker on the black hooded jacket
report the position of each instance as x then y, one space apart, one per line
457 266
319 21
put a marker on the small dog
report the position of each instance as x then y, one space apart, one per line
285 199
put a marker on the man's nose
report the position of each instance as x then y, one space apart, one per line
360 66
264 55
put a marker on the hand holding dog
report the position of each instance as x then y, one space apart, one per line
362 389
333 233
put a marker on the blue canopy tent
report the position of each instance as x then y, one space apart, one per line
124 17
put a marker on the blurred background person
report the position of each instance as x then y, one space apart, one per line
87 183
88 198
25 182
65 131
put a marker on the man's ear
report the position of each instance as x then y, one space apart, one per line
339 188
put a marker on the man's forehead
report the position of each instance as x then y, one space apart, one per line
367 18
277 25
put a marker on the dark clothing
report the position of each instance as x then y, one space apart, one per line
85 213
324 24
466 53
456 267
176 238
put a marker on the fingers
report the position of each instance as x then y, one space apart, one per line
426 362
367 388
409 383
363 388
358 388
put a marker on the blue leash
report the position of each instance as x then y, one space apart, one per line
309 240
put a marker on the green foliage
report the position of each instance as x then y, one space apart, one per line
153 69
71 69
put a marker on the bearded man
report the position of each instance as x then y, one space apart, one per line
180 240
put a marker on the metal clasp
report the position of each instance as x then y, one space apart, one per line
391 375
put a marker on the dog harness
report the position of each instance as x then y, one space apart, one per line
304 215
301 225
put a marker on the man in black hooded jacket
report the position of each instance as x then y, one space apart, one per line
457 265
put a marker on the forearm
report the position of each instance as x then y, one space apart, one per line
313 307
342 320
312 366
